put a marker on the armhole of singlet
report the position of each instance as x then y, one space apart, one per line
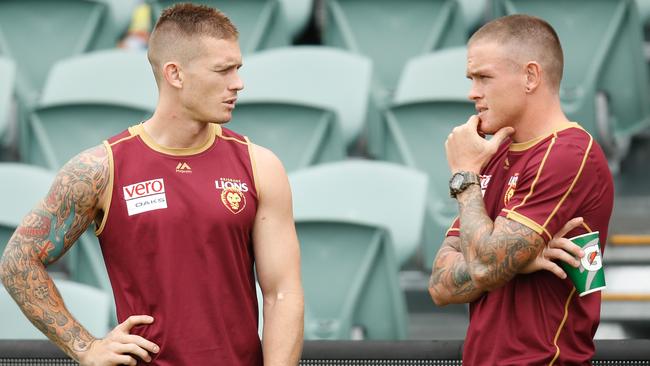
109 189
251 154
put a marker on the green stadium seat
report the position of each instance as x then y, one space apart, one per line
38 33
431 99
349 274
391 32
88 305
261 23
87 99
315 98
8 77
605 83
365 192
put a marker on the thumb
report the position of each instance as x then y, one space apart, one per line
501 135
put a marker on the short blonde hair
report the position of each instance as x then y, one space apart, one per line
180 28
535 37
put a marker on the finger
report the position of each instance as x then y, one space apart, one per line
132 321
554 268
559 254
125 360
134 350
570 225
473 122
140 342
501 135
567 245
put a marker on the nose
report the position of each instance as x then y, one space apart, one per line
237 83
474 93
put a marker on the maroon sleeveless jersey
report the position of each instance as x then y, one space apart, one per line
538 319
177 243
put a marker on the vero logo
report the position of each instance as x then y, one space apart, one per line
145 196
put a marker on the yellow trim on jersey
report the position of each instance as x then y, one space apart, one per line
227 138
451 227
109 187
523 146
559 329
176 151
539 172
251 155
516 216
582 165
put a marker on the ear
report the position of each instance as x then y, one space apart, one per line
533 76
173 74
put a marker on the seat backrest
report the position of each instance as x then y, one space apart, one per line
8 77
88 305
38 33
261 23
299 135
372 193
87 99
349 275
322 77
430 100
391 32
603 52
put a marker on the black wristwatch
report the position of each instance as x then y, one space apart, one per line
460 181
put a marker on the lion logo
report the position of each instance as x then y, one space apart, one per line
233 199
512 186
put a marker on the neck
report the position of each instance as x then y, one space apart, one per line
543 115
173 130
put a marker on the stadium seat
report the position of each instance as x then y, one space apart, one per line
305 103
349 274
391 32
431 98
261 23
364 192
88 305
605 83
8 77
38 33
298 14
87 99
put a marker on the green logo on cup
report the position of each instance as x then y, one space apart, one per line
589 276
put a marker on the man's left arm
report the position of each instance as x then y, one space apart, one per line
277 258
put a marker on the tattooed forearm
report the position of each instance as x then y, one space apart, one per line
450 280
494 252
45 234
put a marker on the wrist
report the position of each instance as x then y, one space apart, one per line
461 181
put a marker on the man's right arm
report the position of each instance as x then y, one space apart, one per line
44 235
450 281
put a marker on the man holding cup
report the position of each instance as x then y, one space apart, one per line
517 195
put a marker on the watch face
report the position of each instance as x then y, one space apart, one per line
457 181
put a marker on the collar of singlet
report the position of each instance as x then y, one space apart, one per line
183 151
523 146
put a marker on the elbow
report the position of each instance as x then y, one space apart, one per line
438 298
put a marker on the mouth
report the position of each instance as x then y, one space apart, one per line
230 102
480 109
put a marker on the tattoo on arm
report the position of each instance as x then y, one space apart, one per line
45 234
494 252
450 280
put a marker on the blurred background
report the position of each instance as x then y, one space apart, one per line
356 97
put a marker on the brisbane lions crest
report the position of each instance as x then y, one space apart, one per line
232 194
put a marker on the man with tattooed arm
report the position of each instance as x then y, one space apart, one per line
538 179
183 208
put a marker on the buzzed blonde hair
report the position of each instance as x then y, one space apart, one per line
179 30
533 37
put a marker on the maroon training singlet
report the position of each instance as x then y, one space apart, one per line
177 242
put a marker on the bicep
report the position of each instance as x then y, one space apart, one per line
70 206
511 247
277 253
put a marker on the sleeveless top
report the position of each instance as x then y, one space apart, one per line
177 242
